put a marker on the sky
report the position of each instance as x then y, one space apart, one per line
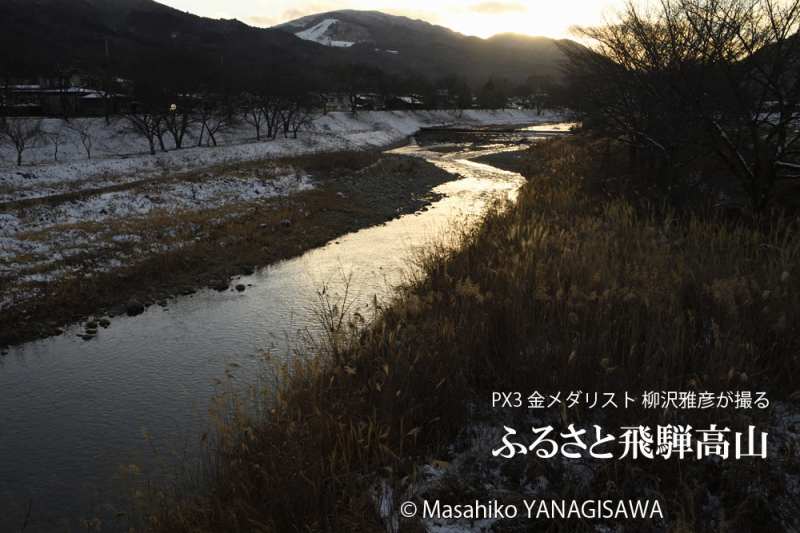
484 18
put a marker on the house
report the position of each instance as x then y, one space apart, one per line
332 102
45 99
369 102
404 103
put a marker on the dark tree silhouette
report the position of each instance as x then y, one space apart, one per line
21 133
693 77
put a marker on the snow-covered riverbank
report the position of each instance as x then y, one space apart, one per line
79 219
120 156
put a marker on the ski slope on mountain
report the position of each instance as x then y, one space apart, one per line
321 34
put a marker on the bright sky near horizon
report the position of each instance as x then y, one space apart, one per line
484 18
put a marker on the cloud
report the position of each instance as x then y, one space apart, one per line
294 13
263 22
495 8
417 14
291 14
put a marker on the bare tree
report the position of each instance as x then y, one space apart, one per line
148 125
55 139
252 114
82 127
701 76
272 106
213 118
178 120
297 115
22 133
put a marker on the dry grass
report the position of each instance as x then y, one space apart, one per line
563 291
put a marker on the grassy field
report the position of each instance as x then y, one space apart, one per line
575 287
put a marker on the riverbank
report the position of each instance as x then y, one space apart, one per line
567 290
119 156
161 371
83 240
129 263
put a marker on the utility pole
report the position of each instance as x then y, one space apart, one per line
107 81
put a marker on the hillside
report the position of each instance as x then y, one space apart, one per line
49 35
61 36
401 44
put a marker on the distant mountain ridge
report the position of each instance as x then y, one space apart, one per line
367 27
399 43
49 34
40 36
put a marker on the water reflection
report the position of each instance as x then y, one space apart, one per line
563 127
72 411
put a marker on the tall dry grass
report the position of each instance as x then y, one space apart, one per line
564 290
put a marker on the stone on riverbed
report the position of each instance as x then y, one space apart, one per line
119 309
134 308
220 286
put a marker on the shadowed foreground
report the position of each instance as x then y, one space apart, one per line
566 290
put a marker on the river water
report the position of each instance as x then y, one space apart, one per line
73 412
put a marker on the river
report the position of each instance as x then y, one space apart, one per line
73 412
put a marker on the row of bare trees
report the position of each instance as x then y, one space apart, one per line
678 80
271 113
201 117
22 134
207 116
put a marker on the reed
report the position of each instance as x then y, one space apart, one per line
567 289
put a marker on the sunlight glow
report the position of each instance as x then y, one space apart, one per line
551 19
483 18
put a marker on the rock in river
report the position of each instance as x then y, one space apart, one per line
220 286
119 309
134 308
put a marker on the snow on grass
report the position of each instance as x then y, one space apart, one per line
92 233
207 194
44 234
121 156
35 239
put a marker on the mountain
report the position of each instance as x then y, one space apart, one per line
142 38
38 36
400 44
350 27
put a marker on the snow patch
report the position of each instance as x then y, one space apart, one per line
319 35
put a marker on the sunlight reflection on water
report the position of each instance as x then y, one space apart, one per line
72 411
